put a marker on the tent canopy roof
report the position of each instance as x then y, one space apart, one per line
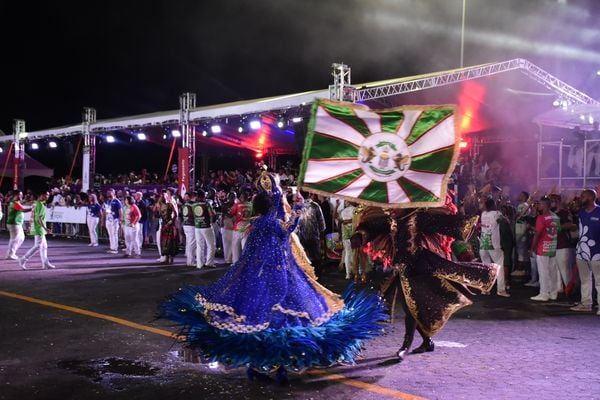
483 102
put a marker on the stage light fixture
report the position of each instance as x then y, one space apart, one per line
1 150
556 103
52 145
259 154
296 119
591 119
255 124
240 129
598 72
176 133
141 136
280 124
204 133
215 129
463 144
34 146
110 139
582 117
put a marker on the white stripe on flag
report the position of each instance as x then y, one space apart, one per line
410 117
317 171
429 181
395 193
356 187
439 137
371 119
330 126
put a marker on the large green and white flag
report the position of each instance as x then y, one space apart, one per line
397 158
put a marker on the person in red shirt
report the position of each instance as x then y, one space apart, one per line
131 221
241 213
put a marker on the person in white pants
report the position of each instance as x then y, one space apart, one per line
565 250
189 228
490 244
14 224
131 222
93 218
241 212
346 220
204 233
547 226
227 227
113 211
141 205
39 231
588 250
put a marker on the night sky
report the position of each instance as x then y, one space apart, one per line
130 57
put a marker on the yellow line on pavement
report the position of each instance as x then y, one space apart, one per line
93 314
380 390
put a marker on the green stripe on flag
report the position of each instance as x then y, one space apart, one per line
390 121
346 114
426 121
375 191
328 147
415 193
333 185
437 161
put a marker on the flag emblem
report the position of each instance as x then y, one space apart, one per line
398 157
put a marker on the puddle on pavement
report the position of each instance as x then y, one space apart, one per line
97 370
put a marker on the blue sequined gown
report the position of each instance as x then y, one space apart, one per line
266 312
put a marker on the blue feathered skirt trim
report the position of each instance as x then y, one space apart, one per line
337 341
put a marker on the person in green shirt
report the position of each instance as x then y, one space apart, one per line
14 224
39 231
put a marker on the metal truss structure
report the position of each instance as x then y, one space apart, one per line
464 74
188 116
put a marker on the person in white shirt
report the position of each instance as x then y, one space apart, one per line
490 247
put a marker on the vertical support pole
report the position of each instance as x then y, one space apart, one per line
342 89
187 102
560 165
19 157
88 169
462 34
585 169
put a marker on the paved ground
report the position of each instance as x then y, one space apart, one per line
497 349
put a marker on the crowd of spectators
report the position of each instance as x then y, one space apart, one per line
512 231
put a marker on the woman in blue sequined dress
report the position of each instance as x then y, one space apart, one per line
267 312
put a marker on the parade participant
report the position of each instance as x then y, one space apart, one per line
226 223
141 205
588 250
168 230
187 213
39 231
131 223
265 313
415 244
14 224
310 230
346 216
113 214
241 212
204 233
160 200
521 226
93 218
547 226
565 247
489 241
